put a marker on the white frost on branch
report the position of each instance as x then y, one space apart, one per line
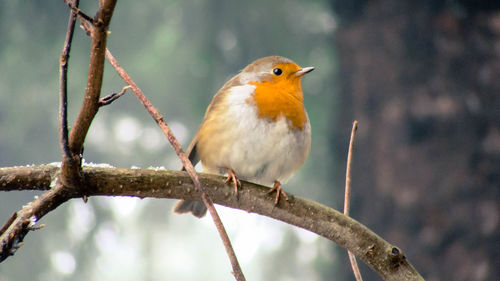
96 165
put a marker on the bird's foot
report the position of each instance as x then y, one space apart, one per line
231 177
279 191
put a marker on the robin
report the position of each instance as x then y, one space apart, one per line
255 129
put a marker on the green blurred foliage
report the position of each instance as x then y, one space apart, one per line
180 53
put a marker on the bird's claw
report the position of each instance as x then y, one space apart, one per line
279 191
231 177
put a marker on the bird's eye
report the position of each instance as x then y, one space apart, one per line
277 71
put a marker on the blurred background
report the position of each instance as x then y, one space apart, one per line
421 77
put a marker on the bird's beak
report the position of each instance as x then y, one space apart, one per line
304 70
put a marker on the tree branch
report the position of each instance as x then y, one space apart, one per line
24 220
95 76
77 11
112 97
63 85
71 168
387 260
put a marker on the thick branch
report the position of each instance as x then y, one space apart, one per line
71 168
385 259
94 81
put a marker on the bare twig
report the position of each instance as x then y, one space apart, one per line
63 85
8 223
387 260
238 273
347 198
112 97
347 195
74 8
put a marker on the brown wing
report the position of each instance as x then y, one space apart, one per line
192 151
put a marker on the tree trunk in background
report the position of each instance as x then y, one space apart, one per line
423 80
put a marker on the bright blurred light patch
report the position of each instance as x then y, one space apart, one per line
180 131
152 139
306 253
106 238
226 40
305 236
327 22
307 250
127 129
123 207
172 162
98 133
63 262
252 233
81 219
182 262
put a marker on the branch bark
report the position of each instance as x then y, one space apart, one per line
71 169
63 85
387 260
95 76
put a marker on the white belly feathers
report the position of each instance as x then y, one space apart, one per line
273 153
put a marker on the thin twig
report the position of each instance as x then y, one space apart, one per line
63 84
8 223
112 97
76 10
238 273
347 198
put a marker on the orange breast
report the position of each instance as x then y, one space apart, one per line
281 98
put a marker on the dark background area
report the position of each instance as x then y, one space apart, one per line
423 79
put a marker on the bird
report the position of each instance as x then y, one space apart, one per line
255 129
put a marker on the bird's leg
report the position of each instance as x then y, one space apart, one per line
279 191
231 176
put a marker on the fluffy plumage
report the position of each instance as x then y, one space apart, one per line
256 125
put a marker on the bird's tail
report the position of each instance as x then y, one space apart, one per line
197 208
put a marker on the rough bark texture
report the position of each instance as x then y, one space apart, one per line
94 79
423 79
71 166
387 260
